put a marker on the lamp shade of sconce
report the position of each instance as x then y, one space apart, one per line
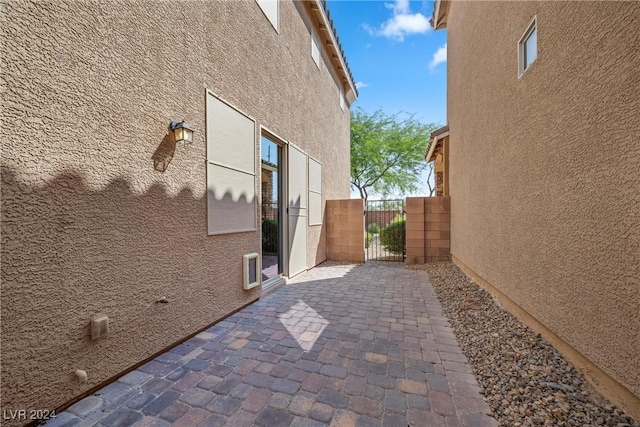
182 132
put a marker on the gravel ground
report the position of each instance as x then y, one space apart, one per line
523 377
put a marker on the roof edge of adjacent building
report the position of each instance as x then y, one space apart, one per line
436 136
440 14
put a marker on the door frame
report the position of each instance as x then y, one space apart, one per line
283 200
284 239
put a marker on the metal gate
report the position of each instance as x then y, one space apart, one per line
385 230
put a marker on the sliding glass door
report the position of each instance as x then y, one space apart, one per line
272 211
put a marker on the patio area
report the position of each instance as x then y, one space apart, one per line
340 345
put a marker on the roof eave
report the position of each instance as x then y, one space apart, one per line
435 139
440 14
338 58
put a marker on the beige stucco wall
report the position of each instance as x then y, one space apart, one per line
88 225
545 170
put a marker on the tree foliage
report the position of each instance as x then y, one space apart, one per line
373 228
393 237
269 236
387 152
368 237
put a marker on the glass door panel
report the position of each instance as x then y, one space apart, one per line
271 173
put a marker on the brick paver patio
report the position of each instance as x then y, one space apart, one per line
340 345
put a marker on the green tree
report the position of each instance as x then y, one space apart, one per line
393 236
387 152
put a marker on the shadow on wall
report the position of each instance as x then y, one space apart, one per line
321 253
70 252
164 153
231 213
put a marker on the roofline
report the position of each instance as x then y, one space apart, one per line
436 136
440 131
339 61
440 14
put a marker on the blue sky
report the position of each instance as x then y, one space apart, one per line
396 58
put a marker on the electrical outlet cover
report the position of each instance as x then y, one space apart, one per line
99 327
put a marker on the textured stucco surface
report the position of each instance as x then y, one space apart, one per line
545 169
88 225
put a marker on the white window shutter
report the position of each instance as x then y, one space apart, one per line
315 192
231 177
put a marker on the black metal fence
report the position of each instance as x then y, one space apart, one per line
385 230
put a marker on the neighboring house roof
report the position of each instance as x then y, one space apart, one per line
438 21
440 14
436 136
268 163
319 10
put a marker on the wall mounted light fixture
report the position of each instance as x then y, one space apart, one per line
182 132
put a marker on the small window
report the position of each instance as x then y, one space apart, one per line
528 48
342 100
270 9
315 50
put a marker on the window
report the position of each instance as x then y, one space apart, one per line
342 100
231 169
315 192
315 50
270 9
528 48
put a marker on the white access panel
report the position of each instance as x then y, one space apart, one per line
230 200
315 192
231 161
297 210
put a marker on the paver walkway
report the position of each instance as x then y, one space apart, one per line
340 345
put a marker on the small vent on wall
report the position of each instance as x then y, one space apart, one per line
252 273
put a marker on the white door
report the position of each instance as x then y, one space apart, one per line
297 208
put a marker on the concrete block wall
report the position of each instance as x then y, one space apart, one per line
428 229
437 228
345 230
415 229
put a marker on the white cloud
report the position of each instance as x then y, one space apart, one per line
398 6
439 57
360 85
401 23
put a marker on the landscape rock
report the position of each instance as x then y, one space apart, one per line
524 379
